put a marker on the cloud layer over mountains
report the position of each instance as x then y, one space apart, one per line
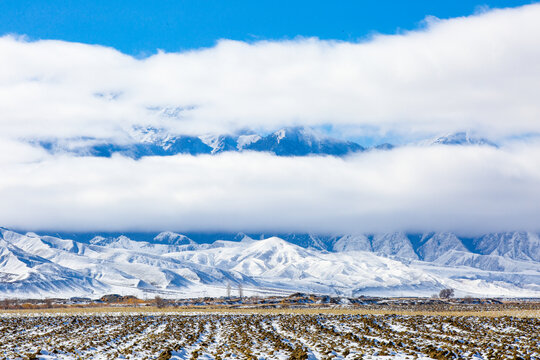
478 73
474 189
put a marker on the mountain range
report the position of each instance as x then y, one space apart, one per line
175 265
291 141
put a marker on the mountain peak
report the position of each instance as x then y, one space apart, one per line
460 138
301 141
171 238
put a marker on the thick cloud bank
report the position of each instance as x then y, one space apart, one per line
478 73
462 189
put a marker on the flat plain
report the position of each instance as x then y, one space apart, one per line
255 333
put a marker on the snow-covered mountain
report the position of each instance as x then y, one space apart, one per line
459 138
300 141
291 141
432 246
514 245
174 265
295 141
24 272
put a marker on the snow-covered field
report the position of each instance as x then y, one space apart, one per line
266 336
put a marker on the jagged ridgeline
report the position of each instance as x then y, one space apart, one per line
191 265
292 141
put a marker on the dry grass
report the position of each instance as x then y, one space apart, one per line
515 312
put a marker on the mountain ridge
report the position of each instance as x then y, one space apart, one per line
290 141
351 264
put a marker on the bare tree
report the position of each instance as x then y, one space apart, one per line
240 291
446 293
48 303
228 290
160 302
6 304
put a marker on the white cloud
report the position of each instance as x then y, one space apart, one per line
463 189
479 73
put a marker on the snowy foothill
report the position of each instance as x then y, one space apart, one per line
174 266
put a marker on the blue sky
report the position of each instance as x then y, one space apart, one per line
141 27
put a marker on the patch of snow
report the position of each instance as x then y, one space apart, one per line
245 140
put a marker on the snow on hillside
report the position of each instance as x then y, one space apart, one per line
352 243
513 245
458 138
140 142
173 265
434 245
394 244
290 141
24 273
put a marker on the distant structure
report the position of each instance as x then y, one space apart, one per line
240 291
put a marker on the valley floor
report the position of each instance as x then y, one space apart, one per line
267 334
